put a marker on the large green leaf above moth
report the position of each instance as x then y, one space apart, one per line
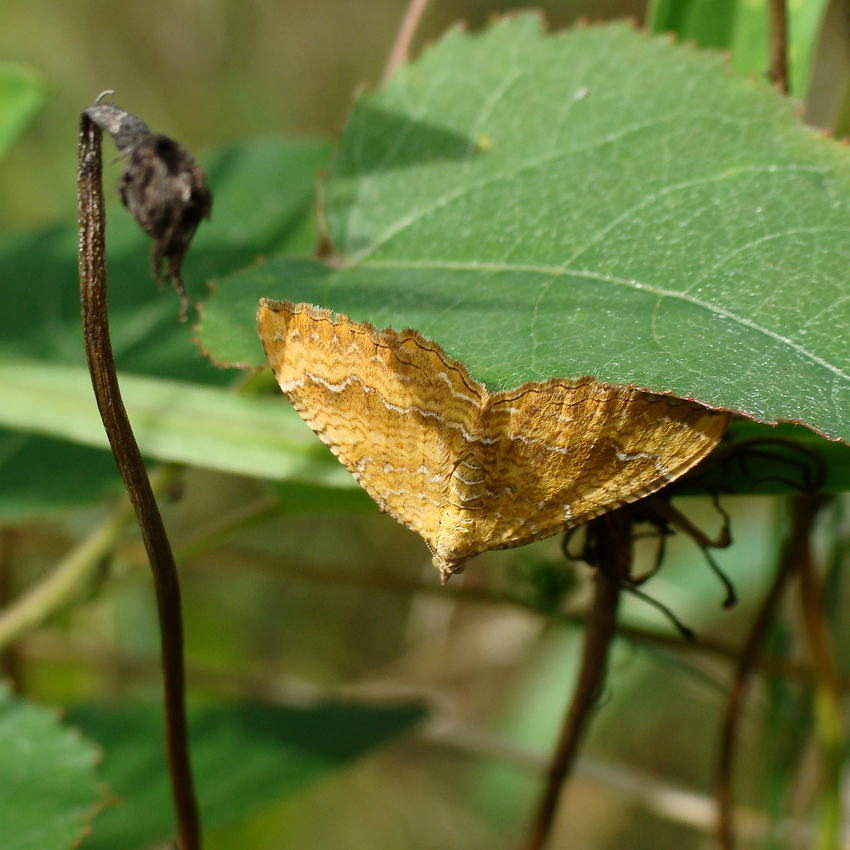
592 202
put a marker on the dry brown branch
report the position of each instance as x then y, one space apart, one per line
795 551
614 568
400 51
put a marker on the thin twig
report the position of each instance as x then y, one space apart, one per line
63 584
92 259
401 47
657 796
232 558
777 71
829 725
794 551
225 527
615 558
667 800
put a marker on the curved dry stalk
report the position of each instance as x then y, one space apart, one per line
400 51
92 261
614 568
795 551
827 704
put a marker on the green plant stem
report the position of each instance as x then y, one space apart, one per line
63 584
827 706
225 527
93 298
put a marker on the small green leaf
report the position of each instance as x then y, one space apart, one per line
593 202
710 23
242 757
49 792
22 94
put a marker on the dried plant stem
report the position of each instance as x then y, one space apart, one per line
92 260
401 47
829 725
615 558
777 71
795 551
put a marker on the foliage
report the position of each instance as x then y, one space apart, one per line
243 756
595 201
552 200
49 792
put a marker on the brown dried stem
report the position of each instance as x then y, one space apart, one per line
829 725
615 558
92 260
795 551
777 71
401 47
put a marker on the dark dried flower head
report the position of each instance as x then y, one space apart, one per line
126 130
162 186
165 190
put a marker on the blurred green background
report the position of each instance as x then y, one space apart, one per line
208 72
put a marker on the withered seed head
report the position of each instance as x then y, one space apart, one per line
163 188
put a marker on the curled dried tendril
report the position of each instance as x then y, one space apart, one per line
163 188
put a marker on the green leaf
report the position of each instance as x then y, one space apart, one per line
40 475
22 94
742 27
263 204
49 792
263 195
242 757
594 202
710 23
172 421
264 437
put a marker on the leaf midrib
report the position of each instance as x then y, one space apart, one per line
560 271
